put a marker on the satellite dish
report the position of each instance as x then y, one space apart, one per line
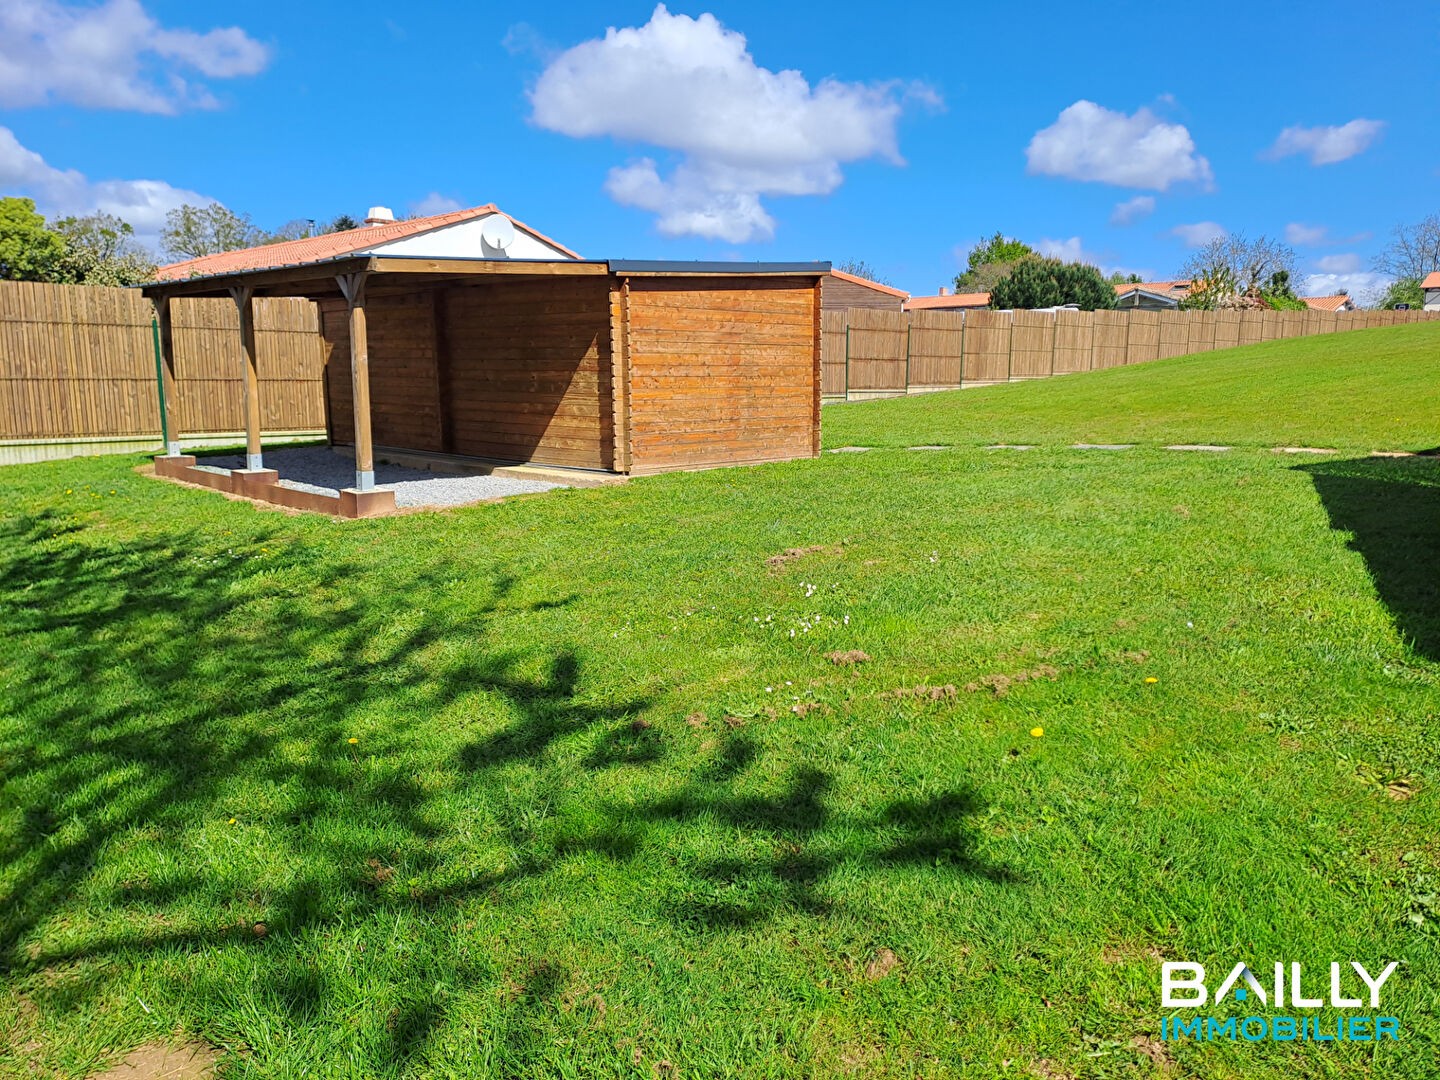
497 232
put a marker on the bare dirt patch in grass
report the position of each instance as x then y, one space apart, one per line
930 693
1153 1049
789 555
847 657
999 684
881 964
156 1061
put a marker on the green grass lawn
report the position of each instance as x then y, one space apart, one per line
567 786
1359 390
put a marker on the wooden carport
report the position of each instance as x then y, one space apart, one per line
616 367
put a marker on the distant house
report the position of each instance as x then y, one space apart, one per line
945 300
1151 295
1338 302
839 290
1431 285
481 232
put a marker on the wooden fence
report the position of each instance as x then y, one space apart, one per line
78 363
868 353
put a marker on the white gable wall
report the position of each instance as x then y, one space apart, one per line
462 241
1432 299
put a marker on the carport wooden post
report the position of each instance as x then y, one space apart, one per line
168 386
352 286
244 297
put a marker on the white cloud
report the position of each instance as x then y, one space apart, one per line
1132 210
435 203
1073 249
741 131
1200 233
1338 264
63 192
1306 235
1364 287
113 56
1327 145
1091 142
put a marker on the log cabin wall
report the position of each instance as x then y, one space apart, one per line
722 371
528 371
515 371
837 294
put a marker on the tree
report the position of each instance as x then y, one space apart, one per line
192 231
1037 282
342 223
295 229
1119 277
989 261
1414 250
1405 290
860 268
1278 294
1245 267
28 250
100 249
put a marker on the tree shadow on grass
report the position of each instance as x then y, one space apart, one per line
1391 509
151 678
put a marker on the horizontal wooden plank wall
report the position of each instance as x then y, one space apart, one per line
527 371
863 351
79 362
515 371
838 295
722 371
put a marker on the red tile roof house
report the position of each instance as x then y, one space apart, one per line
945 300
1338 302
1431 285
467 339
840 291
1151 295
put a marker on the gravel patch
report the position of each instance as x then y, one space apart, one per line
321 470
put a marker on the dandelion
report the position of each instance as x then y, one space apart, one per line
352 742
1151 679
69 491
232 821
1036 732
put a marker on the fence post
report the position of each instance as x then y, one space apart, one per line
907 354
1054 338
847 355
1010 352
160 384
964 321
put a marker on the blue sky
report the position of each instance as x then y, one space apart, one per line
756 131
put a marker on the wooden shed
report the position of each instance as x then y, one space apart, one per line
840 291
619 367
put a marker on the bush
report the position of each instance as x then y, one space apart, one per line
1043 283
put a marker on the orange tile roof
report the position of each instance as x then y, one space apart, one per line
1326 303
953 300
1432 280
857 280
1163 288
332 245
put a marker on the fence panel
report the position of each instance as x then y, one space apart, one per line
1143 343
1112 331
833 328
79 362
1032 345
987 346
1074 341
937 341
1174 334
879 342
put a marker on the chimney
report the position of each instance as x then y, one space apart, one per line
380 215
944 290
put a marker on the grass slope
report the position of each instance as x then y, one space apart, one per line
1360 390
567 786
